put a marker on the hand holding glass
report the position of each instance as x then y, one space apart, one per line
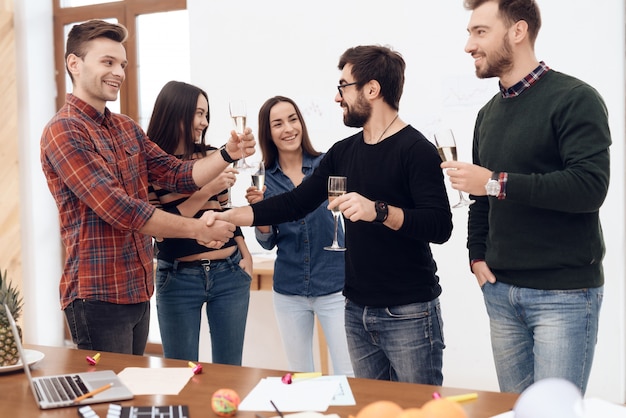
336 187
257 171
229 202
446 146
239 114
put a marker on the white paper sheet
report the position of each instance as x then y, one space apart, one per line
343 396
155 381
306 395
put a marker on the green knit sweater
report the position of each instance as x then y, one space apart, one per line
553 141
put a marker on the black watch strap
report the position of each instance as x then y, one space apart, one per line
382 211
226 156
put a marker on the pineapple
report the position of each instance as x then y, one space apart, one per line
10 295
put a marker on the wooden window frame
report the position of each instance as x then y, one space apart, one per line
126 13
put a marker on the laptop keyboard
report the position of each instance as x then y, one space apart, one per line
63 388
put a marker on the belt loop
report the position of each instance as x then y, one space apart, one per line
175 265
231 259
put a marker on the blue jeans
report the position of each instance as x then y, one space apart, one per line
103 326
181 293
536 334
400 343
296 320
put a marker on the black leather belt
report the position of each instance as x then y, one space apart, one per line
197 263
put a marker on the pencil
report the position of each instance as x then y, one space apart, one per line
306 375
280 414
461 398
93 392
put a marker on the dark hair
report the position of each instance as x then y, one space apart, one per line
512 11
81 34
173 116
375 62
268 148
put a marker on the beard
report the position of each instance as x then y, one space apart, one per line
499 63
359 114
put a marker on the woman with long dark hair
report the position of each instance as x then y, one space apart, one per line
190 275
308 280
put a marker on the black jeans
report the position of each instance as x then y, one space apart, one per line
103 326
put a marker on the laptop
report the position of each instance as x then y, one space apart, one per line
60 390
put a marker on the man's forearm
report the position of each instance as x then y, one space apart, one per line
237 146
241 216
167 225
208 230
208 168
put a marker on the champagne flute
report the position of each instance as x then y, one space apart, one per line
336 187
256 169
258 175
446 146
229 202
238 113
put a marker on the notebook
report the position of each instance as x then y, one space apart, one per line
61 390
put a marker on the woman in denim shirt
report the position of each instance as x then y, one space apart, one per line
308 280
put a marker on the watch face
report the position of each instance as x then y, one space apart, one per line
381 211
492 187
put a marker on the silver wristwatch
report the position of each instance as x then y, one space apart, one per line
493 185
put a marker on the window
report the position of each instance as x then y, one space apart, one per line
141 18
162 55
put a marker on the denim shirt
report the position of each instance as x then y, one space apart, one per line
302 265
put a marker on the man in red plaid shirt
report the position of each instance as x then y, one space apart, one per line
98 166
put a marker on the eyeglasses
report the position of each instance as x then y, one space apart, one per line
341 86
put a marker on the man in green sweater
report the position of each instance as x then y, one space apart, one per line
540 175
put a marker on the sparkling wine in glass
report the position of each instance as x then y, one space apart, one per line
258 175
239 114
446 146
229 202
336 187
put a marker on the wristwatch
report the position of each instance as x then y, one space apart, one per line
226 156
382 211
493 185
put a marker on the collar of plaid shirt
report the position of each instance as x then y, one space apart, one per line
525 83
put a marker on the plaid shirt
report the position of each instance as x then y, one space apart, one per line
98 167
526 82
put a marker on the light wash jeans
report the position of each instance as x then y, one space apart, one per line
296 320
400 343
536 334
181 292
104 326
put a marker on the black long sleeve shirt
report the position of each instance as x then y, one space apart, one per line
383 267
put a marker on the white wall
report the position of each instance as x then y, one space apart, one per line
261 49
41 251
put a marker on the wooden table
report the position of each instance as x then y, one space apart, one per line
262 274
16 399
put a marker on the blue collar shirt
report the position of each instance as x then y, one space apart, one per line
302 265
